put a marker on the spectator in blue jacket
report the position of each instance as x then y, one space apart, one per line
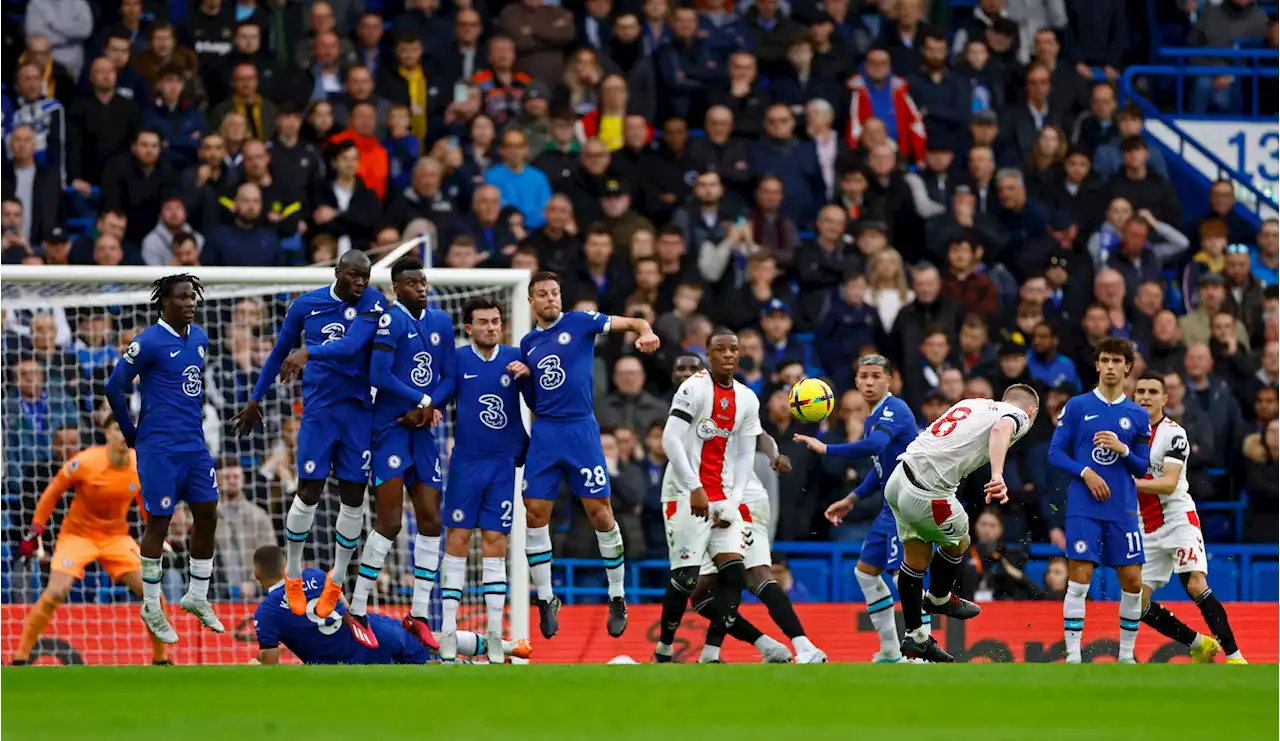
247 241
793 161
687 67
34 410
522 185
1045 364
181 125
848 327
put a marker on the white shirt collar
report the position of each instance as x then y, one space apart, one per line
276 586
333 292
409 314
1103 399
549 326
482 357
172 331
879 404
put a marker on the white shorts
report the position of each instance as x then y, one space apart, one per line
936 518
1176 547
755 536
691 540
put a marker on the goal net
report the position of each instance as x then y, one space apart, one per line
64 329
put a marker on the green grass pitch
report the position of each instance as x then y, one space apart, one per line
983 702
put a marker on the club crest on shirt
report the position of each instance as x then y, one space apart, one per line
384 321
1081 546
201 351
564 338
724 403
435 338
505 380
1125 423
350 313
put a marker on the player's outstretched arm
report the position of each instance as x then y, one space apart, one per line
840 508
290 333
353 342
872 444
62 483
1165 485
118 387
647 341
998 442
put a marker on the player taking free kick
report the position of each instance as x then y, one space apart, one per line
922 493
1102 440
173 462
105 479
335 325
565 438
1171 538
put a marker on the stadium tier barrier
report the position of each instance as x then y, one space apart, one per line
1004 632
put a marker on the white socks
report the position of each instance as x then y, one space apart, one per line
537 547
709 654
152 578
610 542
201 572
495 593
880 610
371 560
1130 619
297 528
451 586
347 538
426 559
1073 618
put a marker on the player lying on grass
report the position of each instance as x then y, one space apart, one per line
890 427
105 480
564 439
414 370
1102 440
335 325
322 640
689 582
489 443
1171 541
922 493
174 465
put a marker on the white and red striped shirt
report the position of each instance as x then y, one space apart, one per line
721 420
1169 445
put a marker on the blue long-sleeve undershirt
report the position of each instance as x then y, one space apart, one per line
873 444
118 386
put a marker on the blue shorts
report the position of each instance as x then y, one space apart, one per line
480 494
335 439
881 548
565 449
168 478
395 644
1104 542
403 453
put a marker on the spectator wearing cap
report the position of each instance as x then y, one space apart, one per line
464 56
1046 364
833 42
157 246
37 188
1022 217
1038 109
99 125
687 67
1141 186
137 183
1011 367
520 184
535 120
559 158
247 240
1266 258
793 161
502 87
942 96
723 152
181 124
776 325
406 83
620 218
1077 190
878 93
966 284
56 248
985 132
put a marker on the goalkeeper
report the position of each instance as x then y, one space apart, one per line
323 640
105 479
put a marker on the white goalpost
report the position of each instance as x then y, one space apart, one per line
65 327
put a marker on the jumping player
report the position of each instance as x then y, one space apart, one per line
922 494
565 438
105 479
489 443
1171 538
335 324
413 368
1102 440
321 640
173 462
889 429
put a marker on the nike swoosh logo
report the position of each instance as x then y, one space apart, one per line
316 311
175 353
412 335
1089 417
597 491
469 376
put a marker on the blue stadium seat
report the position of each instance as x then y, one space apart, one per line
1266 581
847 584
1034 571
814 574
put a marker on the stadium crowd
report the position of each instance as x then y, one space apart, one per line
958 189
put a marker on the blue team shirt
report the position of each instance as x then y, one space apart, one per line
1072 450
412 356
171 369
337 335
892 416
312 639
487 423
561 358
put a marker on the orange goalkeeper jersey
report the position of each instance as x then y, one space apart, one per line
103 494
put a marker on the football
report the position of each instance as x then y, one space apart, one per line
811 400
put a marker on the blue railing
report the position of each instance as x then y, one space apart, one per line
1251 197
1248 66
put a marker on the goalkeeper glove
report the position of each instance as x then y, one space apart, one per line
30 539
